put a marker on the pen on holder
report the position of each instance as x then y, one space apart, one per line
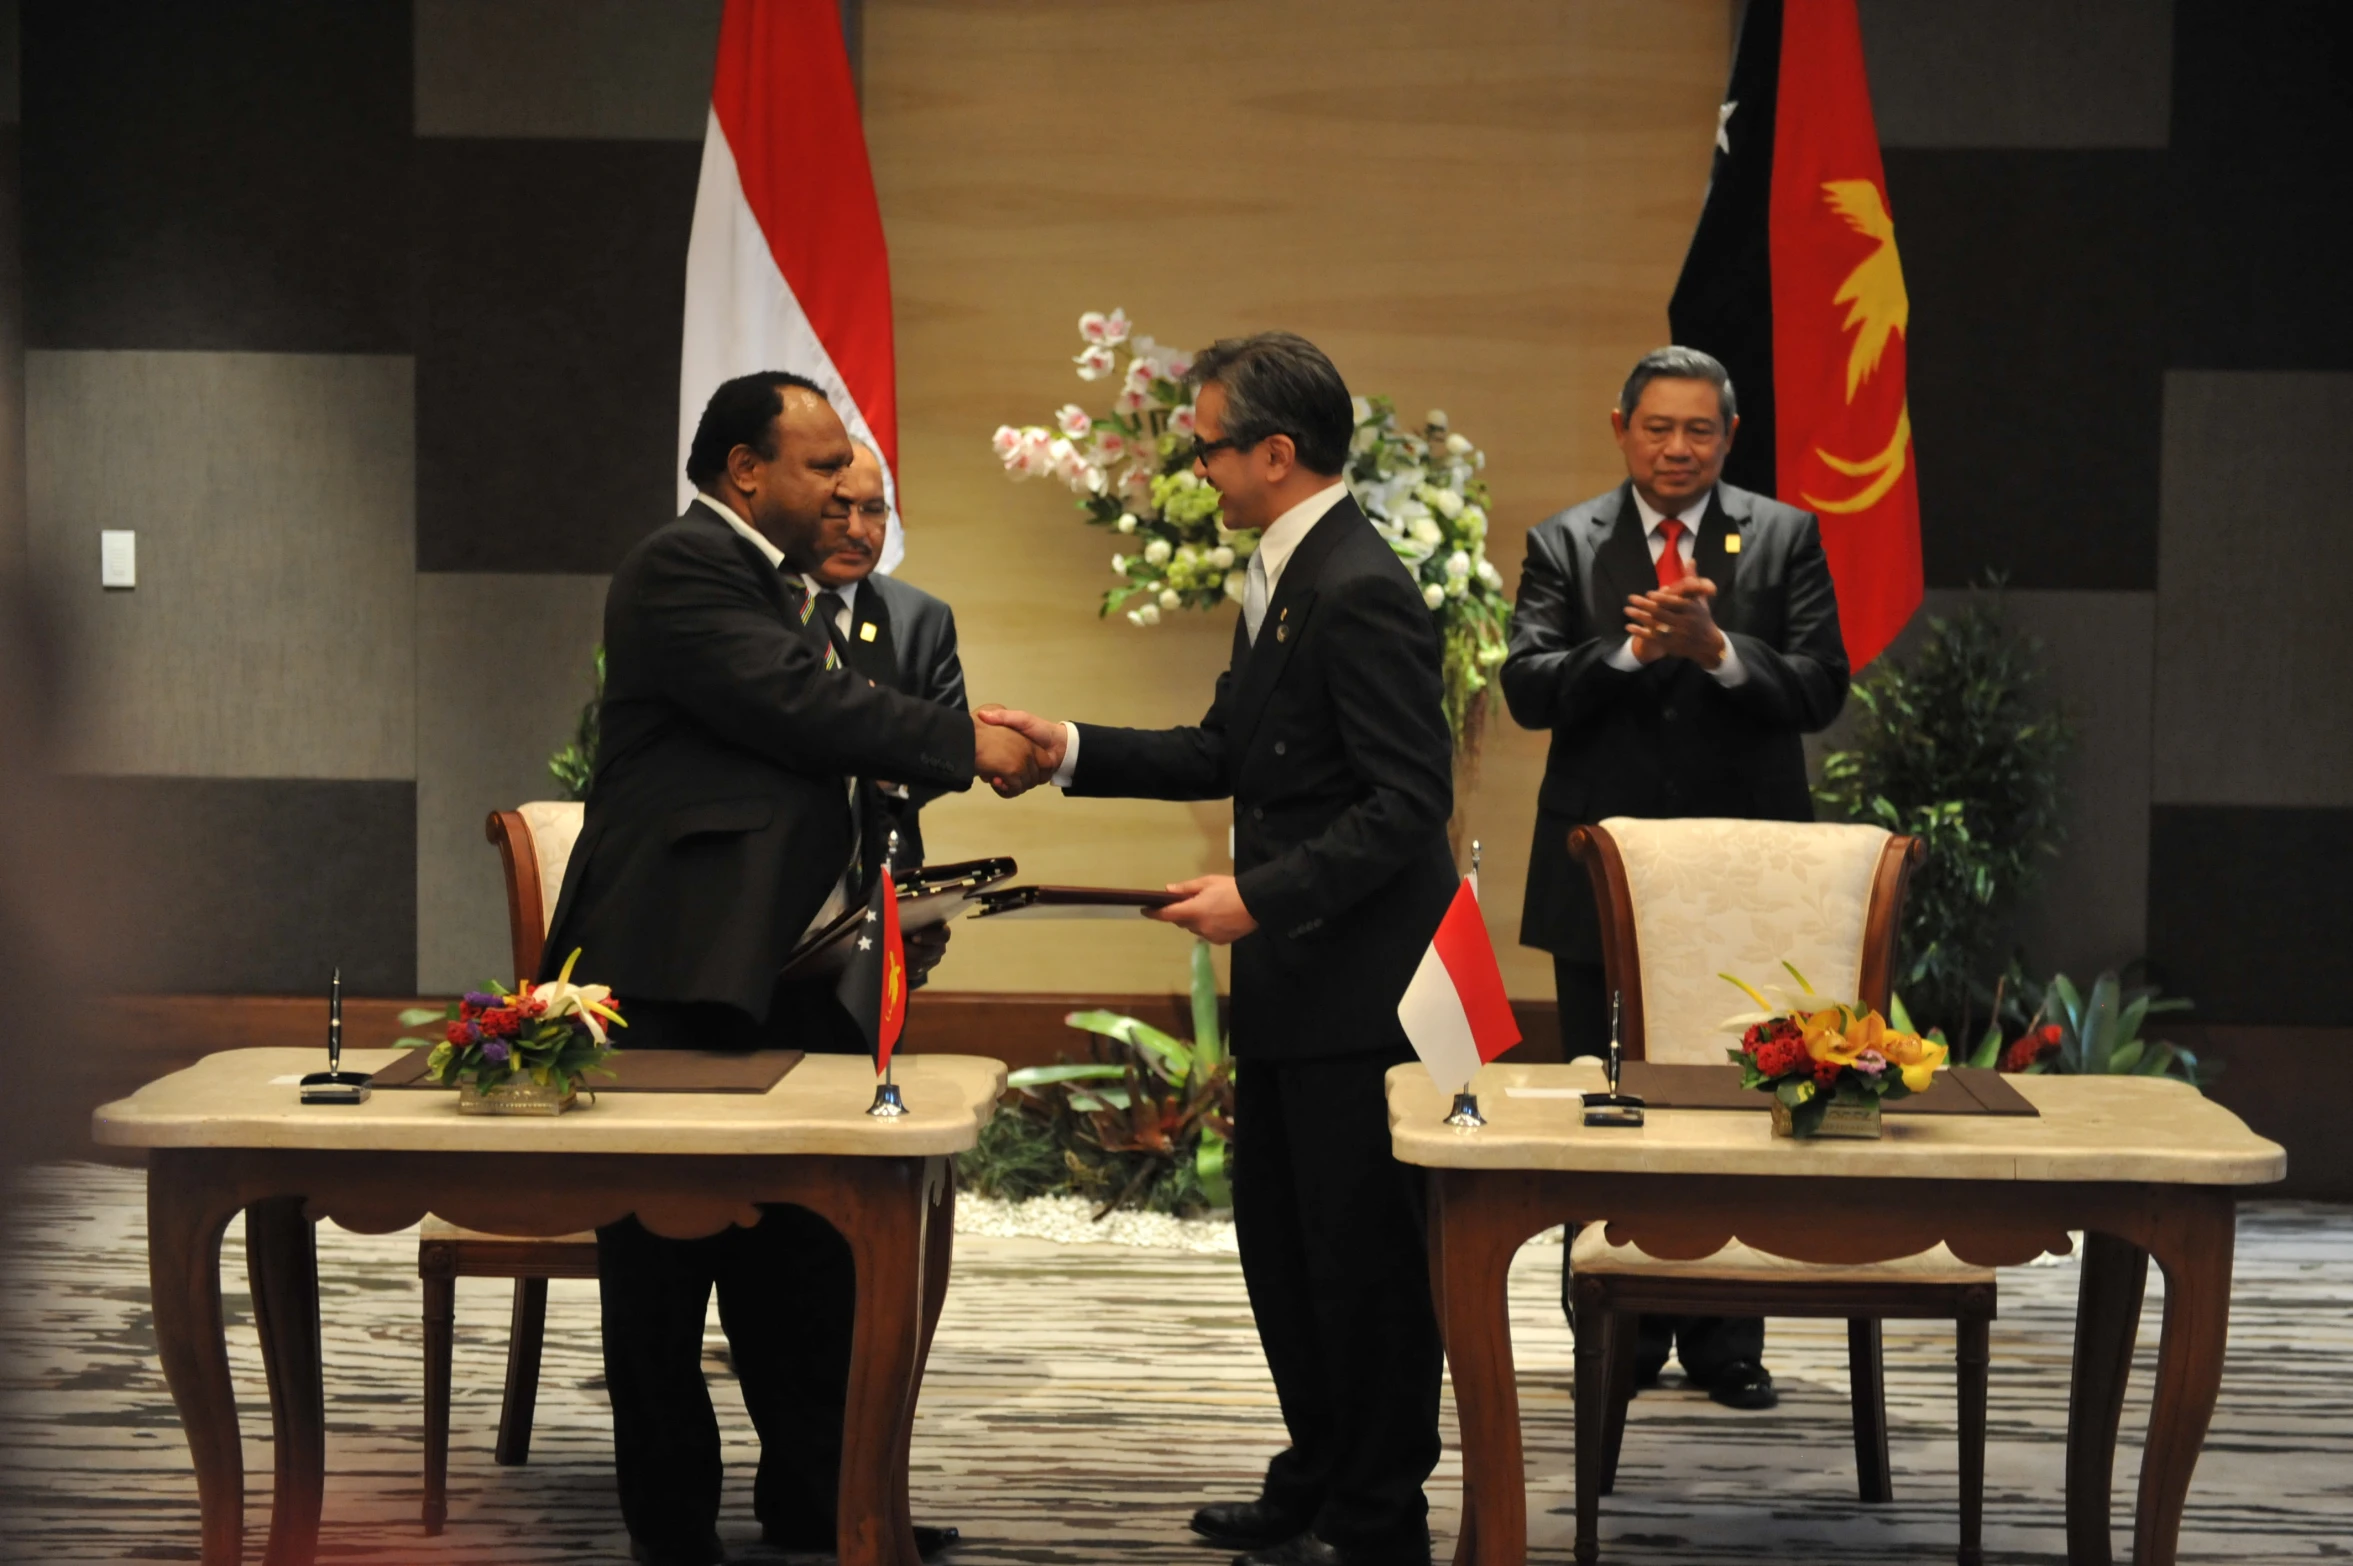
1617 1055
335 1085
335 1022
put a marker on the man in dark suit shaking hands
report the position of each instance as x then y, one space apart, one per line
732 812
1328 734
1677 636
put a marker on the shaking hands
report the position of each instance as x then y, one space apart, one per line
1004 730
1007 753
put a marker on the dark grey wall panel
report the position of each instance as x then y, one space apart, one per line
515 699
2247 911
551 278
222 176
245 885
2255 651
2019 73
2035 358
634 69
2255 238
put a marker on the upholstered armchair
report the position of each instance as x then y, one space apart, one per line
1681 902
534 845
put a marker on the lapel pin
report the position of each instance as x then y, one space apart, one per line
1732 543
1282 633
866 631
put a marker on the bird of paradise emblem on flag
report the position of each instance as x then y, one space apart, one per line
1878 310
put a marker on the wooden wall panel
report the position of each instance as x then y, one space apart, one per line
1479 208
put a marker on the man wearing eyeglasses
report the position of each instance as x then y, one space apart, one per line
897 635
1328 733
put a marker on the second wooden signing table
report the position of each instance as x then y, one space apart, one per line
227 1136
2145 1167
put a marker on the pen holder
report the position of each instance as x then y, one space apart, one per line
1613 1109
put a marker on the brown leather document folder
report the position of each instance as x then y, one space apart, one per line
646 1070
928 895
1070 902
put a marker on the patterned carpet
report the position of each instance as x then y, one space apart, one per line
1083 1398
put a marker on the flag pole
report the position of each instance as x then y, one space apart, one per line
888 1105
1465 1115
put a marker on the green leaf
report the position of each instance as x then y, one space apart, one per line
1089 1102
1899 1018
1042 1076
2070 1004
1208 1044
1209 1167
1172 1056
2125 1059
418 1016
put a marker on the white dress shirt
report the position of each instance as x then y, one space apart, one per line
1276 546
1727 673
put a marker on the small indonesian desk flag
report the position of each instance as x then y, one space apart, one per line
873 989
1455 1012
785 264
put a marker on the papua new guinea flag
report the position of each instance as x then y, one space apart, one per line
873 987
1793 280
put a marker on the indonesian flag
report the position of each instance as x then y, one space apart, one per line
786 269
873 988
1455 1012
1794 282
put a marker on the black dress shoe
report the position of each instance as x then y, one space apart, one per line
929 1541
1246 1525
1743 1384
1308 1550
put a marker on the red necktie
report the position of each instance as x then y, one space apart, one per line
1671 568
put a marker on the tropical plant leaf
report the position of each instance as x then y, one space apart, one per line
2126 1058
418 1016
1040 1076
1173 1055
1208 1043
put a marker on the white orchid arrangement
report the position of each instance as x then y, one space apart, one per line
1132 472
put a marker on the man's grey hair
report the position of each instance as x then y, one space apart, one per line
1279 383
1680 364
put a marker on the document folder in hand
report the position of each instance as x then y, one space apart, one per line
1070 902
928 895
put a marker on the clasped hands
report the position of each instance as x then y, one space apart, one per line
1675 622
1212 907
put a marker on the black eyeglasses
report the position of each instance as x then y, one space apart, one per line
1202 448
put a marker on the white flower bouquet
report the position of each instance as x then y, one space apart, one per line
1132 472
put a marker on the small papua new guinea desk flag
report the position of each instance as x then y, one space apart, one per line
873 987
1793 281
1454 1012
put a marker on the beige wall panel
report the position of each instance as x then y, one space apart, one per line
503 666
1481 209
274 495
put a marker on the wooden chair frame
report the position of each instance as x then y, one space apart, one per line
1608 1304
445 1255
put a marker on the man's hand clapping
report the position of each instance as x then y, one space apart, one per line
1675 622
1042 738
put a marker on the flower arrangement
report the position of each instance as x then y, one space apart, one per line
1132 471
1811 1053
548 1034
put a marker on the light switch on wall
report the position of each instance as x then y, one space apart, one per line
118 558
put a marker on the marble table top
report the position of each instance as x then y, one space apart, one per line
248 1098
2088 1128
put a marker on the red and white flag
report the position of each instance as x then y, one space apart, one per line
1455 1012
786 268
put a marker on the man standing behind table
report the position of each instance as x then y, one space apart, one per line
1327 731
892 633
1677 635
727 819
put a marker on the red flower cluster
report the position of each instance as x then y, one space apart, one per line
2032 1047
1777 1047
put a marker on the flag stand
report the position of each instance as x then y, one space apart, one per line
888 1105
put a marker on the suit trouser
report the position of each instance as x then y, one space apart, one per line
1704 1344
787 1299
1332 1236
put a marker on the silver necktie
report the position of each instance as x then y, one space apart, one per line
1254 596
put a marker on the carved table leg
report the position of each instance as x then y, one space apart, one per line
939 1244
1972 1361
437 1266
186 1215
281 1260
1598 1331
883 1206
1476 1261
2193 1247
2107 1318
526 1336
1867 1398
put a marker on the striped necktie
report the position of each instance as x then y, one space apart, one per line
833 659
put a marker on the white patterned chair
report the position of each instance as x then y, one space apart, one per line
534 845
1681 902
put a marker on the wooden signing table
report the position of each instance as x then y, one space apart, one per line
2146 1167
227 1135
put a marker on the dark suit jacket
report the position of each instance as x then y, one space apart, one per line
1330 737
718 821
1667 740
914 650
